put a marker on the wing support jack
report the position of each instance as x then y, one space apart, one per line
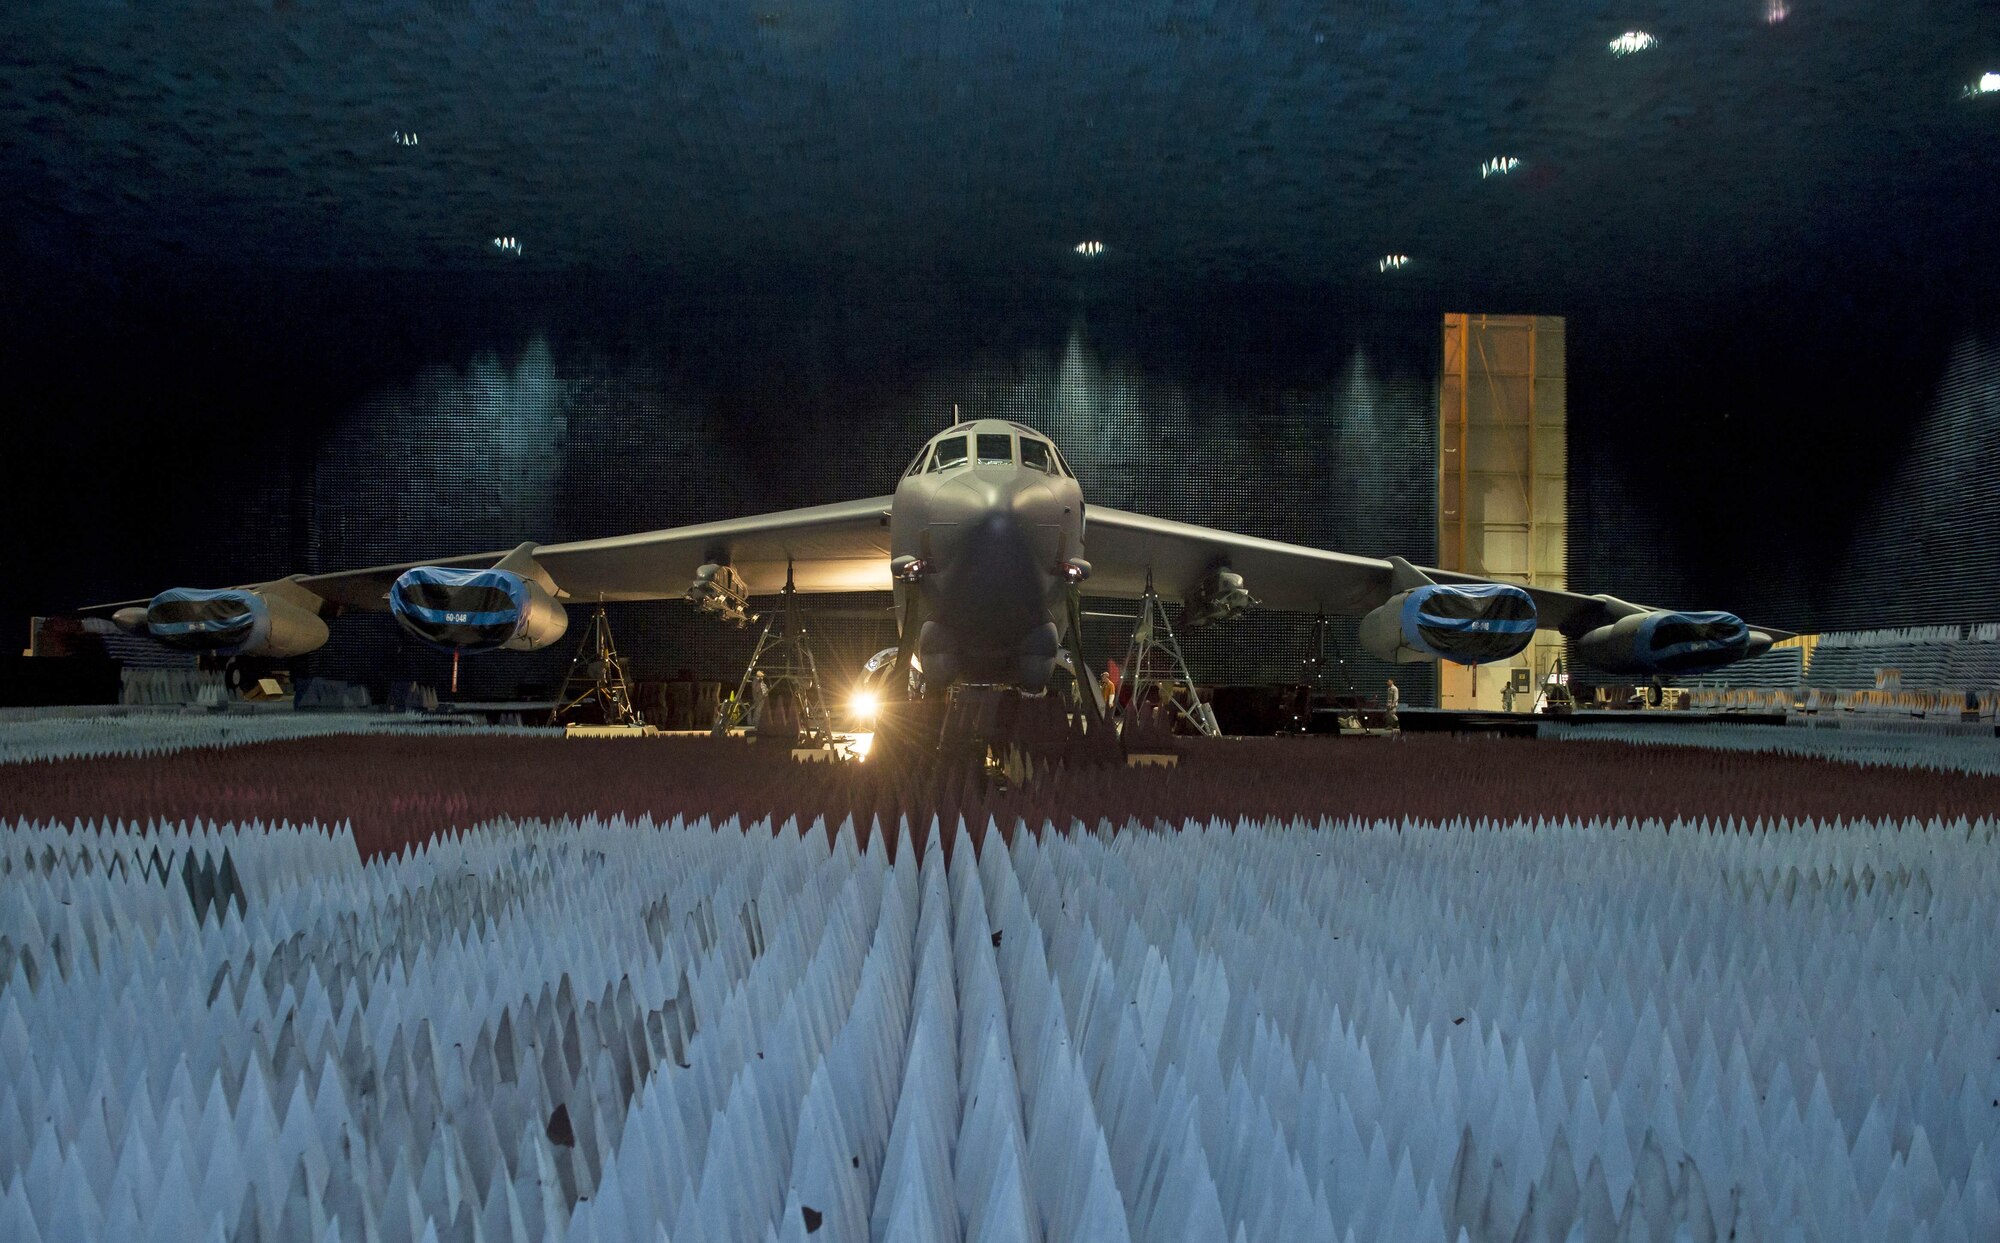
1153 661
596 677
781 667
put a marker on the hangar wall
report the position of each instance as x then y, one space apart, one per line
1938 509
1820 465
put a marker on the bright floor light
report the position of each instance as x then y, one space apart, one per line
1632 41
865 704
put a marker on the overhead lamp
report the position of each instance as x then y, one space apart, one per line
1090 249
1776 11
1632 41
507 245
403 138
1988 84
1392 263
1499 166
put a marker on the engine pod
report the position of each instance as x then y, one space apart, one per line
233 621
1668 642
1468 624
208 621
476 610
1219 597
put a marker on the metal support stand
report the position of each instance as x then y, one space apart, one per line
1153 658
1090 696
784 656
1313 668
597 675
1554 694
909 627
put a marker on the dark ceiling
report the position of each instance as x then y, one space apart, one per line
979 142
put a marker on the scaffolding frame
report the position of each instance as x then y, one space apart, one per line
784 656
1153 645
600 670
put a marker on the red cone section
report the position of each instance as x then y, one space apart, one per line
402 790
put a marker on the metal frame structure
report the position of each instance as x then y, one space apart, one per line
1089 695
597 663
1153 643
784 656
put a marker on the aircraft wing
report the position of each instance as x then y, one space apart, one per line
839 547
1123 548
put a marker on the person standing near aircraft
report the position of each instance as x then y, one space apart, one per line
1392 699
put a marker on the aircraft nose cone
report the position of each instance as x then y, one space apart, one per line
1034 502
1000 512
969 499
997 497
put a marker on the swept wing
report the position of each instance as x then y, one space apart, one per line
1123 548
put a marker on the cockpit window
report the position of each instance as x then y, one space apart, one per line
949 453
996 450
1035 453
917 463
1062 463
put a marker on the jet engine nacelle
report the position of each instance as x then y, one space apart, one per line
1470 624
235 621
476 610
1220 596
1670 642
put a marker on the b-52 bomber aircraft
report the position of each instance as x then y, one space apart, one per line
987 545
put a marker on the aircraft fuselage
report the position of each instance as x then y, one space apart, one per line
984 525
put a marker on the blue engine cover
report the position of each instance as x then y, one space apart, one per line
1689 642
223 622
461 610
1470 624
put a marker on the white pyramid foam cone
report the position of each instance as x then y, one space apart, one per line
57 734
916 1195
844 1119
1544 1031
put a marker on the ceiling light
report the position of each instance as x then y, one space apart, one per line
1499 166
507 245
1390 263
1988 84
403 138
1632 41
1776 11
1091 249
